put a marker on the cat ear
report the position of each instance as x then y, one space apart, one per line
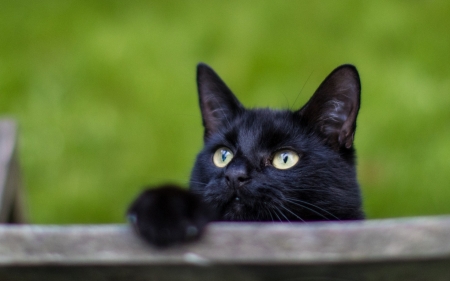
334 107
217 103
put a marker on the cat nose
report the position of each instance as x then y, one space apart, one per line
236 176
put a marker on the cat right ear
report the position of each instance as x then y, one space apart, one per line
334 107
218 104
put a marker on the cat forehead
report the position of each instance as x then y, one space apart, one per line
264 128
267 119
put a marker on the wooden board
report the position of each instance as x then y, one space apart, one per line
395 249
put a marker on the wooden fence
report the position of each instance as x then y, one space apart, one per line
394 249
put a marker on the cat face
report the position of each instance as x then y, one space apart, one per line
279 165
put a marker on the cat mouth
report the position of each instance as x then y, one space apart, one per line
235 199
233 203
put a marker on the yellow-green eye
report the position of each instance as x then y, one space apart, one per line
222 157
285 159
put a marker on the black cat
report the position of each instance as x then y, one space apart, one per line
262 164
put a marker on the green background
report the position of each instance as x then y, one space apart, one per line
105 94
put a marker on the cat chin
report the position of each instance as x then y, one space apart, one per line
238 210
235 210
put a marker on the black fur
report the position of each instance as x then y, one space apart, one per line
321 186
168 214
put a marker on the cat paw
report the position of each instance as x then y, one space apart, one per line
168 215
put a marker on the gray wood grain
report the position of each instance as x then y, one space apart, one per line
396 249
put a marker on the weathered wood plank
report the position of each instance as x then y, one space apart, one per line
397 249
11 208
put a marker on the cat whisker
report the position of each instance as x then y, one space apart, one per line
275 213
292 213
301 202
267 210
270 214
198 182
281 213
301 90
323 216
258 213
307 203
198 192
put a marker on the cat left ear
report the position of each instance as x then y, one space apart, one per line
334 107
217 103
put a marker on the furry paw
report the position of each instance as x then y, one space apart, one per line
168 215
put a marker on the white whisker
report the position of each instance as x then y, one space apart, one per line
300 202
292 213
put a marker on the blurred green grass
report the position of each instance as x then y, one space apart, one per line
105 93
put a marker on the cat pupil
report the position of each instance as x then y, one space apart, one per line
224 155
285 158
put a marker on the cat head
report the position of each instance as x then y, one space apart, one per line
265 164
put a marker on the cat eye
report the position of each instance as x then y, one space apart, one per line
222 157
285 159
